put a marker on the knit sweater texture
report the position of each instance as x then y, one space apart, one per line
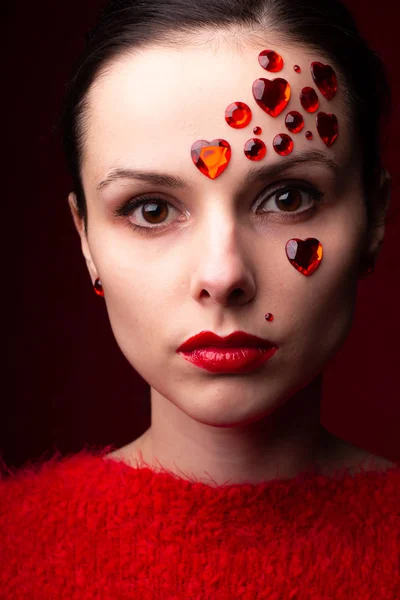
84 526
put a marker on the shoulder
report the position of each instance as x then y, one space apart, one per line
28 492
356 460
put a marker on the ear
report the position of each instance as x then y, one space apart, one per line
80 227
377 224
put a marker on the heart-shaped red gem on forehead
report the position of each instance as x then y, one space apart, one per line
304 255
327 126
211 158
272 96
325 78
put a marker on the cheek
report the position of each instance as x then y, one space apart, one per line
335 298
134 316
319 309
342 243
345 238
138 291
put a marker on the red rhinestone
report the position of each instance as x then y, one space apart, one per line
238 115
272 96
282 144
309 99
327 126
325 78
270 60
297 69
257 130
211 158
98 288
309 135
304 255
255 149
269 317
294 121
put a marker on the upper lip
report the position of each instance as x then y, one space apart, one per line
236 339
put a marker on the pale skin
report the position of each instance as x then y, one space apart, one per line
219 263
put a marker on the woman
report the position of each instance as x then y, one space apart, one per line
224 183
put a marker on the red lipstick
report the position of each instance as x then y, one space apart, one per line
238 352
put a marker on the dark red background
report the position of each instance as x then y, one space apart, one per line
66 383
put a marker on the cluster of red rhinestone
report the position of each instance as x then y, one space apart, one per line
272 96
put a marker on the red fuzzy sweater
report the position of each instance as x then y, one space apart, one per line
84 526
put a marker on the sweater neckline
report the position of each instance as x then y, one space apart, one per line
162 476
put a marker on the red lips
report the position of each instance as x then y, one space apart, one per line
236 339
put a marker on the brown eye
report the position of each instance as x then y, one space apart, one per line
153 212
290 203
289 200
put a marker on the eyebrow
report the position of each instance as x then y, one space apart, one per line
252 176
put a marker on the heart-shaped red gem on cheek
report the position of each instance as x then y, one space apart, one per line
211 158
272 96
304 255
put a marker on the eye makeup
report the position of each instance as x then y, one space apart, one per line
286 194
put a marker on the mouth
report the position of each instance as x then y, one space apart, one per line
228 359
238 340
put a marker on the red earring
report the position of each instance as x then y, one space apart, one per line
367 268
98 287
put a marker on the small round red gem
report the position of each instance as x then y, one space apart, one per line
269 317
296 68
238 115
270 60
255 149
294 121
283 144
309 135
257 130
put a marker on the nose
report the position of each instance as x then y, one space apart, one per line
223 271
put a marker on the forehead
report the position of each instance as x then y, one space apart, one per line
150 107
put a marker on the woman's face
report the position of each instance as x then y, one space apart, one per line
208 238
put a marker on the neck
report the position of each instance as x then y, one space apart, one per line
280 445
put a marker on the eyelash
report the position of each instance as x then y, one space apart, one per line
129 206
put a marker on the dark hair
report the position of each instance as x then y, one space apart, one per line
324 25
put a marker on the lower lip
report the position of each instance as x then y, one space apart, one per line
229 360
